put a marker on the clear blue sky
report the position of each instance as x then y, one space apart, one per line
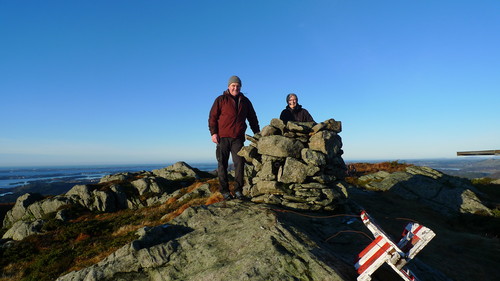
106 82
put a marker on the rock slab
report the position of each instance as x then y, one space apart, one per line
210 243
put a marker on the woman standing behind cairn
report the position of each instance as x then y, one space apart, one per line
294 111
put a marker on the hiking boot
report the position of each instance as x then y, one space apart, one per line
227 195
238 195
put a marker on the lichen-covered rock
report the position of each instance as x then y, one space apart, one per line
267 199
22 229
312 157
471 204
278 123
201 191
20 207
446 194
378 176
300 127
323 178
330 125
177 171
39 209
116 177
269 131
249 153
95 200
267 171
327 142
104 201
29 210
82 193
149 185
424 171
266 187
279 146
253 139
294 171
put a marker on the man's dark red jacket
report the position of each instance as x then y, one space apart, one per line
228 121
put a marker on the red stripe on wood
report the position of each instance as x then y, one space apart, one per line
416 237
369 247
373 258
418 228
364 216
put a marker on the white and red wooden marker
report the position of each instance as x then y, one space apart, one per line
382 249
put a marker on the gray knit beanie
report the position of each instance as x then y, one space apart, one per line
234 79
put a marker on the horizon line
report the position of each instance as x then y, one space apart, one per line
193 163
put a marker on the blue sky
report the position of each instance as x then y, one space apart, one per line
107 82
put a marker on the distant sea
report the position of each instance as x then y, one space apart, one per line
12 177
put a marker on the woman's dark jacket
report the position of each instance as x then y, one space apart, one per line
297 114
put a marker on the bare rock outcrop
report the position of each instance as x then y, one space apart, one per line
447 194
212 243
22 229
20 208
114 192
179 171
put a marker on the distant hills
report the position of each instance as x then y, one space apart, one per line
465 167
476 167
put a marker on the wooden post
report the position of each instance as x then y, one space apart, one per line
480 152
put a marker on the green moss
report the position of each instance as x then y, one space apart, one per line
49 264
21 251
481 181
496 213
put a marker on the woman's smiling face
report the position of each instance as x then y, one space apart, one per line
292 101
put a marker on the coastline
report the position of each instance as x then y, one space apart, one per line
54 180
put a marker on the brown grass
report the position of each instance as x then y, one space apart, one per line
81 263
214 185
360 169
193 186
356 170
171 200
82 237
128 228
170 216
13 271
214 198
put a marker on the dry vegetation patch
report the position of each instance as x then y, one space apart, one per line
360 169
88 238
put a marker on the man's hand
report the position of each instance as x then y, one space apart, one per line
215 138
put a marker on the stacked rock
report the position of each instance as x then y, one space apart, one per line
297 164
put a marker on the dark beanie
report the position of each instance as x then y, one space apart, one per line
234 79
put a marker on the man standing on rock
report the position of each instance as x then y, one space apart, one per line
227 126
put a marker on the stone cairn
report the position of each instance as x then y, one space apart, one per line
297 165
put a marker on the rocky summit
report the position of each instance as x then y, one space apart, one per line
300 220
